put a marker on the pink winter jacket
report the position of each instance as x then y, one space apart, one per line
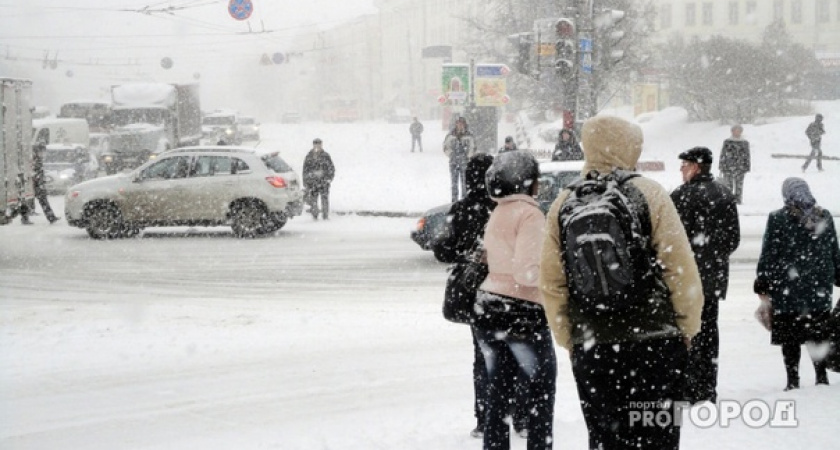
513 239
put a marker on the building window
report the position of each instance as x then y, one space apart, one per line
796 11
690 14
751 7
823 13
733 13
665 16
779 9
708 14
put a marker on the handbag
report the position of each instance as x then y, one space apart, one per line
464 279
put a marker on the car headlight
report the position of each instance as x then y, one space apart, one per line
64 176
152 156
229 131
109 158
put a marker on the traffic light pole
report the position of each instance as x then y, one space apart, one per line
587 103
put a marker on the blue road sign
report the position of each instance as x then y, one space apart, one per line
240 9
491 70
585 55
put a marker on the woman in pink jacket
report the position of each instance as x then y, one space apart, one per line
511 321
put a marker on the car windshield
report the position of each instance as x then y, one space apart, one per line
153 116
218 120
68 156
246 121
275 163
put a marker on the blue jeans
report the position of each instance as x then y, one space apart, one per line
458 171
535 357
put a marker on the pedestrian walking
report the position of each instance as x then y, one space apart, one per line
735 162
798 266
509 145
627 329
416 130
459 146
39 183
318 174
814 132
567 147
511 325
709 214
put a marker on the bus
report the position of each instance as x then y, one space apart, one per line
97 114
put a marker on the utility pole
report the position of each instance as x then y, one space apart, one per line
587 103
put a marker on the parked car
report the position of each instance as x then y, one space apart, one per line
291 117
554 176
66 165
398 115
194 186
249 128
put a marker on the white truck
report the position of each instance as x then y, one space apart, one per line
149 118
16 189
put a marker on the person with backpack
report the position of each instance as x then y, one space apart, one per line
621 290
459 146
510 323
797 268
735 162
814 132
567 147
468 217
709 214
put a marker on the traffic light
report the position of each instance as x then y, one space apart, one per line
565 47
608 24
524 43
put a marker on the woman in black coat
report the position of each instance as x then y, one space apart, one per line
799 263
468 217
567 147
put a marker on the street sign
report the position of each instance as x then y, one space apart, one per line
585 55
455 82
240 9
490 84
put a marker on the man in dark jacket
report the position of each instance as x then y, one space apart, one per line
510 145
416 130
459 146
814 132
567 147
39 182
710 217
735 162
318 173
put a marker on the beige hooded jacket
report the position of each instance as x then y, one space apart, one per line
612 143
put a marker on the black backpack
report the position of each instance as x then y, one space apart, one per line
605 231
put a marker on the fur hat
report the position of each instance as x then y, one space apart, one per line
699 155
611 143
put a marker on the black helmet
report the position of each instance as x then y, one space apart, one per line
512 173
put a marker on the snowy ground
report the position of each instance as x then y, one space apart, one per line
328 335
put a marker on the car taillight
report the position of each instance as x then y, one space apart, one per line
278 182
74 194
421 224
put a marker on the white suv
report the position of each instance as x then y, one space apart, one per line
196 186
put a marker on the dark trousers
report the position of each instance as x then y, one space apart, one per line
735 182
614 378
701 375
312 194
517 395
792 353
534 355
457 172
416 139
41 195
816 152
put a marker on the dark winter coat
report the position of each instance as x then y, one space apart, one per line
567 150
467 216
416 129
38 178
318 169
814 132
459 147
709 215
735 156
798 267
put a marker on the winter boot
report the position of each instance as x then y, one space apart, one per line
822 374
792 353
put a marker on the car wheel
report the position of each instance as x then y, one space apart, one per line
104 221
248 219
